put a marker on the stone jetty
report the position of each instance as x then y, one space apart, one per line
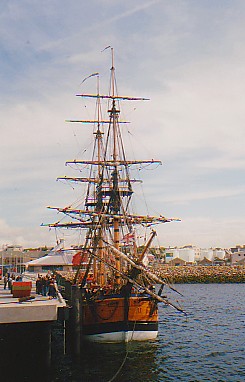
202 274
183 274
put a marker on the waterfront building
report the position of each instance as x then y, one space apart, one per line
14 257
187 253
207 253
56 260
51 262
205 262
219 253
170 254
237 255
177 262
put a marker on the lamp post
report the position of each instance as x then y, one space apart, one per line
2 263
2 259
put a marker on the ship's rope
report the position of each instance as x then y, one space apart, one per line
125 358
120 368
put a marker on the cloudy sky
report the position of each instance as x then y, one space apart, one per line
187 56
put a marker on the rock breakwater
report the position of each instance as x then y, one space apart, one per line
202 274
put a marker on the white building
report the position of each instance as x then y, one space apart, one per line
58 261
237 256
207 253
170 254
219 253
187 254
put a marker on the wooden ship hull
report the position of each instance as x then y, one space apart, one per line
120 319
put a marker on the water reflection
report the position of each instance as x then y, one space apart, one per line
101 362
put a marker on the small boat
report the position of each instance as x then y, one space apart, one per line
119 302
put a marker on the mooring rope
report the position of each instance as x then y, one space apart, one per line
120 368
125 358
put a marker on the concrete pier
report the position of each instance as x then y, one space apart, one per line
25 334
40 308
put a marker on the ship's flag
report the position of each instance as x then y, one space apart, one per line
76 259
80 258
129 238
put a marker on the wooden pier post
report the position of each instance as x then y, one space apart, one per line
74 323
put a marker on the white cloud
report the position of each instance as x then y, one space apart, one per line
203 232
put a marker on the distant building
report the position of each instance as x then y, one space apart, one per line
52 262
205 262
219 253
14 257
237 248
187 254
170 254
177 262
241 262
237 255
206 254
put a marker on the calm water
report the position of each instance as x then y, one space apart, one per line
208 346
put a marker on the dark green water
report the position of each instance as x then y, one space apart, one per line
208 346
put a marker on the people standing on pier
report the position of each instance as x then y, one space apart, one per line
45 285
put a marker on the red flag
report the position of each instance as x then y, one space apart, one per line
76 259
79 258
129 238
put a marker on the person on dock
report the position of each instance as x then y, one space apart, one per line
45 285
51 290
5 281
10 283
39 285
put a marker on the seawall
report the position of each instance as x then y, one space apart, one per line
202 274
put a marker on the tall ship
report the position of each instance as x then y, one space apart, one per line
119 302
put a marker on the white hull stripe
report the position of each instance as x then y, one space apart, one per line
122 336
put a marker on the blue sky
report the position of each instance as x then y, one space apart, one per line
186 56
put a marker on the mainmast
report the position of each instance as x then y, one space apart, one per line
115 192
98 276
99 206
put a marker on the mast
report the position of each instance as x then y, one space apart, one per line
101 276
116 201
98 138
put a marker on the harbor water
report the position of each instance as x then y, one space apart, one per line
208 345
